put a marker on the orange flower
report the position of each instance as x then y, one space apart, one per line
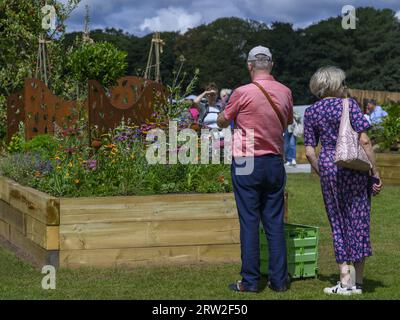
221 179
37 174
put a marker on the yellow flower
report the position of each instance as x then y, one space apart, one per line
67 174
58 168
70 164
77 181
57 158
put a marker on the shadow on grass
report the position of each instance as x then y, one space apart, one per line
369 284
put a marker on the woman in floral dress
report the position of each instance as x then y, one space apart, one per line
346 194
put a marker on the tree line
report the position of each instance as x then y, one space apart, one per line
370 54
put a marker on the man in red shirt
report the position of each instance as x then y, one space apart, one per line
264 107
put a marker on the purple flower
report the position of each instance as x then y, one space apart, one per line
91 164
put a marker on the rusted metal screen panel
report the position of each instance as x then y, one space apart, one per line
43 108
15 113
133 99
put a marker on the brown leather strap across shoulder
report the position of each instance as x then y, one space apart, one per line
280 116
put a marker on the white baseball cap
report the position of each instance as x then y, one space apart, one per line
259 50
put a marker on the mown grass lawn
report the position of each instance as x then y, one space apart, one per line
19 280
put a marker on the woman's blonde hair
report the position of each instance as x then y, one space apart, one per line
328 82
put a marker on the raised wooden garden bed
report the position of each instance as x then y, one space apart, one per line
119 231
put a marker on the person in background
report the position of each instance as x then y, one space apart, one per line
259 194
224 95
291 135
346 192
209 109
194 112
376 113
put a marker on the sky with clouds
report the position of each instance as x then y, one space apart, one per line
145 16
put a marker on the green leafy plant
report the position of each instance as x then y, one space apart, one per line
16 144
390 128
46 145
100 61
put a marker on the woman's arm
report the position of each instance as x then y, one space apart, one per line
367 146
312 158
197 101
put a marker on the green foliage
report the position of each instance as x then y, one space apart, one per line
370 55
174 110
16 144
65 165
101 61
3 117
20 27
390 128
46 145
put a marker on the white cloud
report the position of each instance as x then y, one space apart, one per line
398 14
172 19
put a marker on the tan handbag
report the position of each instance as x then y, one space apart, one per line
349 152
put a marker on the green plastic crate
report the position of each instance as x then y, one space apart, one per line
302 250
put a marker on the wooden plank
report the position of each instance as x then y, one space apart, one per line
388 160
45 236
301 154
147 208
219 253
4 230
148 234
4 188
12 216
34 203
149 256
390 182
389 172
38 255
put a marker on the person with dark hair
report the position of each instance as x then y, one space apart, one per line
209 109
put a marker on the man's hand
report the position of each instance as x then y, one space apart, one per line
222 122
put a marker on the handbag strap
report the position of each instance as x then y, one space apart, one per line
266 94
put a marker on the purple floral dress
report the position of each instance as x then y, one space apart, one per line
345 191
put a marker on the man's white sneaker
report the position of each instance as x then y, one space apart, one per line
287 163
293 163
338 289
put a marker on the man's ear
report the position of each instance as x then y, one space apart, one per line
249 67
